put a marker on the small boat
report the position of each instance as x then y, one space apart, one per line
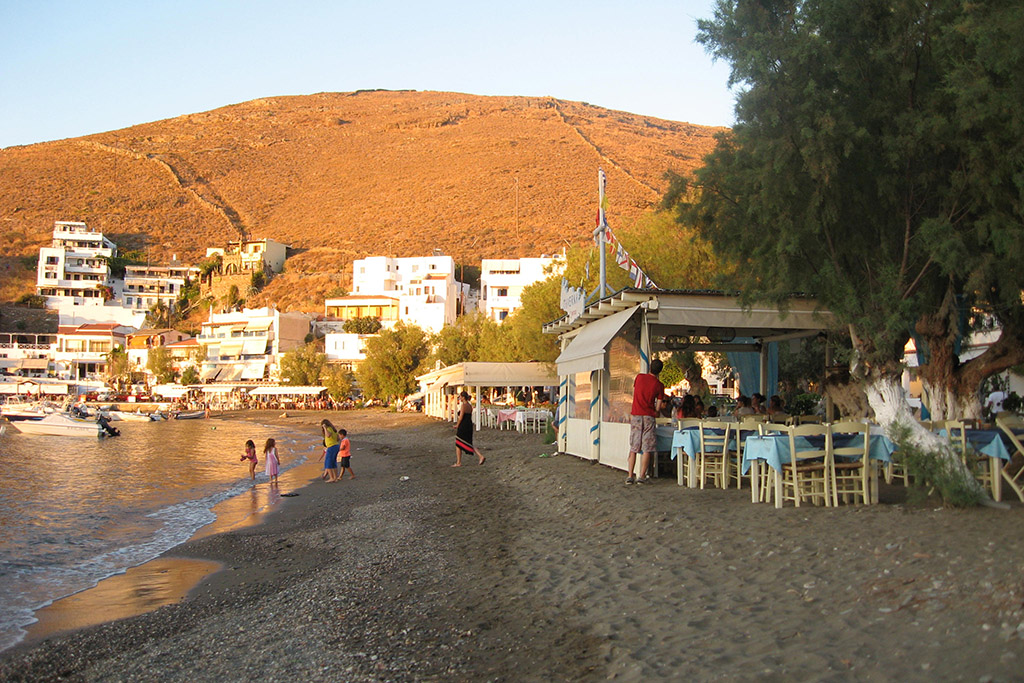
60 424
129 417
193 415
15 410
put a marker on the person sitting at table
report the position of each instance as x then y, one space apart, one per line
688 409
743 406
757 403
775 411
712 411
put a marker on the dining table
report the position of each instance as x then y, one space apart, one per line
774 451
993 443
687 442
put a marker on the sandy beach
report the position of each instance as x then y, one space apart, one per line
534 568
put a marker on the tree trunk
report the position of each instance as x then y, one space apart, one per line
892 412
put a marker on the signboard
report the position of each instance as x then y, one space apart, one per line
573 300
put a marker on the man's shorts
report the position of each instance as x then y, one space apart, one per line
345 461
642 437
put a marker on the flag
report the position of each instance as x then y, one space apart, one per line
638 279
621 257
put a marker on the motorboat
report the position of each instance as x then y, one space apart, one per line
129 417
16 410
60 424
192 415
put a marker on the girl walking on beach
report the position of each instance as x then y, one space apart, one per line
345 453
250 455
332 442
464 432
270 454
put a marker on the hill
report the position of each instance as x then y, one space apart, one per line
339 176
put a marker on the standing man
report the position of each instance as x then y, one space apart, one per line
648 400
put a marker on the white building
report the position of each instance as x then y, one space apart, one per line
251 256
502 282
347 349
26 354
246 344
381 307
141 342
82 350
425 286
146 286
75 269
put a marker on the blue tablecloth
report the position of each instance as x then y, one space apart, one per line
689 440
774 448
987 442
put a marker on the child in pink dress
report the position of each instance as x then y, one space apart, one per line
270 453
250 455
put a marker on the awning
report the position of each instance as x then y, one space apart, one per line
254 347
254 370
208 373
586 351
24 363
217 389
230 374
231 348
170 390
286 391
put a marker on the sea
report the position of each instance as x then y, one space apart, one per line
76 510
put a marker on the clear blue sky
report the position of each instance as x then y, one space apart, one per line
71 68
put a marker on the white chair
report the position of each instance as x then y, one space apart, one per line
714 452
806 477
851 467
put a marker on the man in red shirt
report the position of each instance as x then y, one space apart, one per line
648 399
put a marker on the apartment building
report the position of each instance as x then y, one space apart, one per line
245 256
425 287
146 286
81 352
246 344
502 282
75 269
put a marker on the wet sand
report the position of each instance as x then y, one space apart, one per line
550 568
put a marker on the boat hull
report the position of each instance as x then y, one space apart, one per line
58 425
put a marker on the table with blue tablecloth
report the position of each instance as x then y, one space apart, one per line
773 449
688 441
993 443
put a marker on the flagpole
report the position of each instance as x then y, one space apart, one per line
601 223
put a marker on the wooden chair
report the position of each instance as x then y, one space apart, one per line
851 468
1011 425
683 461
807 475
979 464
735 464
767 479
714 452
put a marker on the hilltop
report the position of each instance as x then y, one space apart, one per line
339 176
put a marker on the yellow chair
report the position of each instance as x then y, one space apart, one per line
807 475
766 484
1011 424
979 464
851 468
683 461
714 452
735 464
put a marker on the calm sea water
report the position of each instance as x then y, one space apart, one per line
75 510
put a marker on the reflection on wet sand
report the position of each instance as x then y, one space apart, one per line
141 589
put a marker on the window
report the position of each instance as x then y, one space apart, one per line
502 315
51 260
502 291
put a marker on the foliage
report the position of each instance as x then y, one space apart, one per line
339 382
257 281
232 299
303 366
336 293
366 324
803 404
30 262
1012 403
928 472
160 316
671 373
190 375
118 373
862 166
161 365
124 258
473 337
31 301
393 359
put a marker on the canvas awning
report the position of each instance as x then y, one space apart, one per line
479 374
254 370
217 389
230 348
254 347
586 351
208 373
170 390
286 391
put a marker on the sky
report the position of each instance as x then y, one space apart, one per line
72 68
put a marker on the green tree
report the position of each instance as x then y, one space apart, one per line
189 376
367 324
339 382
118 372
233 298
304 366
464 340
393 360
843 177
161 365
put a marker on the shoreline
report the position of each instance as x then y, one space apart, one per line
168 578
530 568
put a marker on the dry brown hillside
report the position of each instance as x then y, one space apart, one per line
343 175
